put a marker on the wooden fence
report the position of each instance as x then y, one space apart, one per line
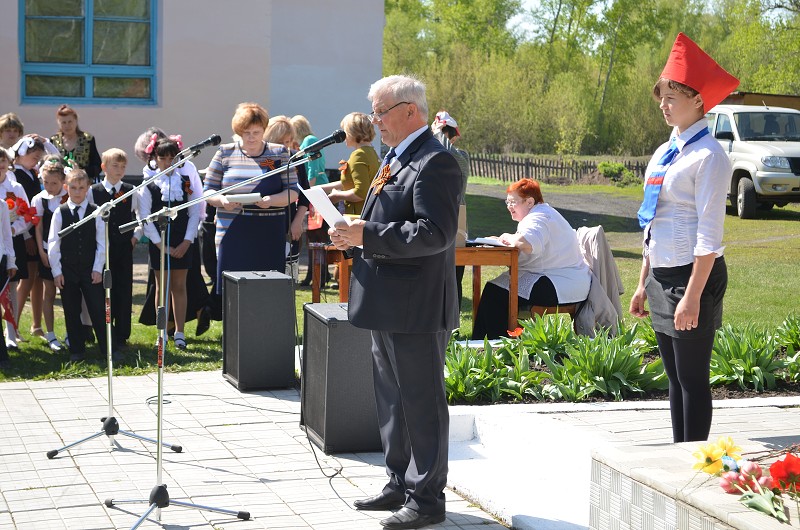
512 168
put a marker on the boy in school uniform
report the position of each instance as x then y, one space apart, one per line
121 246
77 263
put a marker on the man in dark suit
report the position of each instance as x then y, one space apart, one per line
403 289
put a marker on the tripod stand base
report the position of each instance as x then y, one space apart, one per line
159 498
111 429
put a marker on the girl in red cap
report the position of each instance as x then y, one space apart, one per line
683 271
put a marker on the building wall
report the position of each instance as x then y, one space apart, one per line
213 55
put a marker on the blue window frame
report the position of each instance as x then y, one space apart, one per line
88 51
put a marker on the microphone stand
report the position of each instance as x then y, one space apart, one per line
159 496
110 424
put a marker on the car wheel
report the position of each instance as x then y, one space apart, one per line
746 199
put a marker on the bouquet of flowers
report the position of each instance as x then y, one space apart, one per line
759 491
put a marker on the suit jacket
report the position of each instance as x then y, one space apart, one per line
404 277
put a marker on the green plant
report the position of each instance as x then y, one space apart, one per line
618 174
607 366
788 332
484 374
747 356
549 333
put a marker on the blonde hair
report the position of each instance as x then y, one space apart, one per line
248 114
77 174
52 164
279 127
115 154
301 128
11 121
358 128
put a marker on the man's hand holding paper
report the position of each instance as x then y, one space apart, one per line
345 236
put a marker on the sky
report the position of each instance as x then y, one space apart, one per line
523 21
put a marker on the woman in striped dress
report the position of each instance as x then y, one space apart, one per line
251 237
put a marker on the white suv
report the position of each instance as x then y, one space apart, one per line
763 144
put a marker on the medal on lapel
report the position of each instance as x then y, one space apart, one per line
381 179
384 175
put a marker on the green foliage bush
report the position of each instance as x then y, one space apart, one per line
548 361
747 357
618 174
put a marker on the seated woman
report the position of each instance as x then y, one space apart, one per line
551 268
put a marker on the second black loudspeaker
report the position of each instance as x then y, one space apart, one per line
258 329
337 396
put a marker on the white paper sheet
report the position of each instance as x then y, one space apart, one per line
485 241
324 206
243 198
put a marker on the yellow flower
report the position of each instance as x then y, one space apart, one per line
709 458
729 448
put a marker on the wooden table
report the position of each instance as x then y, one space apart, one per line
504 256
322 253
473 256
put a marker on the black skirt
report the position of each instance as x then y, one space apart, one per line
666 286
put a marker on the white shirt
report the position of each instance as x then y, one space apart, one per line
195 211
18 224
690 213
53 204
54 242
6 241
555 254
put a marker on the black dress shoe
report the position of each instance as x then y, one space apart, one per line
381 501
408 518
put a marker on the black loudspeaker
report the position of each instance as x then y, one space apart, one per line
337 395
258 322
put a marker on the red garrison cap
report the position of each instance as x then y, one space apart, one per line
690 65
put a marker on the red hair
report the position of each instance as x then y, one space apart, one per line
66 110
527 188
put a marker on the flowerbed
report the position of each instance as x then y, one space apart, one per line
545 359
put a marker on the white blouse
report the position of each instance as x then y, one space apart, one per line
690 213
556 254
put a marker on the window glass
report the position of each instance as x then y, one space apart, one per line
88 49
54 41
121 43
54 8
119 87
724 123
54 86
122 8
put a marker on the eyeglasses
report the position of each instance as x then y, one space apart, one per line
378 116
511 202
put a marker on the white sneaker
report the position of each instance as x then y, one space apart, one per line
11 343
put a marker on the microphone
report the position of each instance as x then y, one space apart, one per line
334 138
214 139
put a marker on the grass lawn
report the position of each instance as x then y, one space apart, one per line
762 257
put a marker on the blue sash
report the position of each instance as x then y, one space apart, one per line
647 211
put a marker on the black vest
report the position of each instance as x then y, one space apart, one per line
79 246
177 230
122 213
47 219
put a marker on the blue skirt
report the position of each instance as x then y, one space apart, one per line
253 243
